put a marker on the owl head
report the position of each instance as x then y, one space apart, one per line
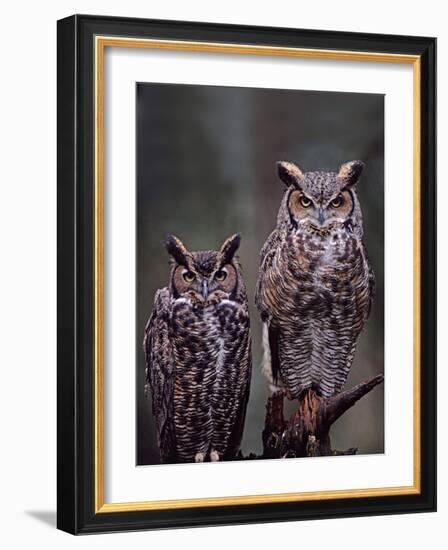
205 277
320 200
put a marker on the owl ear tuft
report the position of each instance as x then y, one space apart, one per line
176 249
350 172
229 248
289 173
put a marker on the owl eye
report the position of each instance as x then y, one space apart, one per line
305 201
220 275
188 276
336 203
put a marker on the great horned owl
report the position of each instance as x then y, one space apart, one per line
198 355
315 284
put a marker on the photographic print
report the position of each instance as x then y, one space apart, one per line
246 274
260 273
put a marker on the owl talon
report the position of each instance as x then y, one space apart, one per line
275 389
214 456
199 457
279 392
288 395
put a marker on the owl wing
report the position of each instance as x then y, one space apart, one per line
270 248
160 373
245 366
370 289
267 254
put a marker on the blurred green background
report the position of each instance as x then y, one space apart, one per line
206 169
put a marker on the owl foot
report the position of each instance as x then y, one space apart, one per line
214 456
199 457
278 391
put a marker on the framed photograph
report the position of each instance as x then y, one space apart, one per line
246 274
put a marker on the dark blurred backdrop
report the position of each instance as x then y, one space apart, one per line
206 169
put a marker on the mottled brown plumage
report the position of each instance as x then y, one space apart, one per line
198 357
315 284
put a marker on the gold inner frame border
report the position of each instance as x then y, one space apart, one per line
100 44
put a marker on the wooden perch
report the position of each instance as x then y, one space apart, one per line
307 433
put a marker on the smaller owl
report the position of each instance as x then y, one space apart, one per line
198 355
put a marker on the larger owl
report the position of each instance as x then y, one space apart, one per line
198 355
315 284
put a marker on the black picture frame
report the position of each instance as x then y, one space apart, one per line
76 301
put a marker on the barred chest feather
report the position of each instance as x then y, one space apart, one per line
318 294
319 272
208 344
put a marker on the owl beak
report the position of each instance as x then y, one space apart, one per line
321 216
204 289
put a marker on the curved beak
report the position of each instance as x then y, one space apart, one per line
321 216
204 289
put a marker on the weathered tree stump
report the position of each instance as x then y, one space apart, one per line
307 432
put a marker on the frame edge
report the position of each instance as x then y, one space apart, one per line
72 515
67 456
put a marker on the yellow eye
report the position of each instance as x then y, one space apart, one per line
336 203
189 276
220 275
305 201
